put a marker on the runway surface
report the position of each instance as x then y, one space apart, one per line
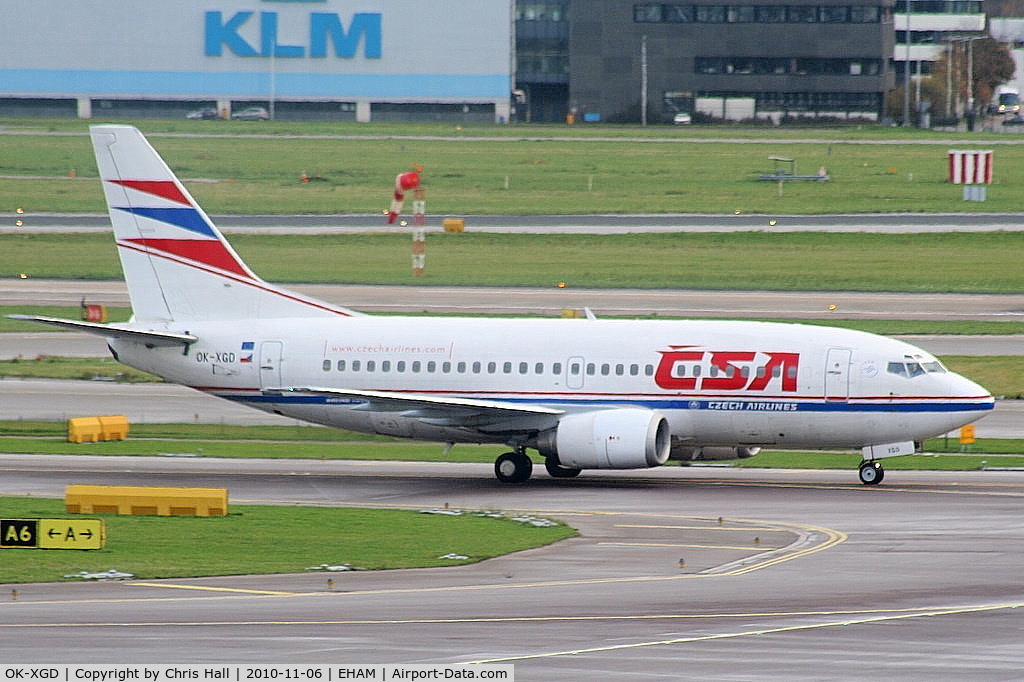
918 578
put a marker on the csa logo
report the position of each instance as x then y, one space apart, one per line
686 368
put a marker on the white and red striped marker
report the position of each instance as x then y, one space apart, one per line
970 167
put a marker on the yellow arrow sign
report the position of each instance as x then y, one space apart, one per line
53 533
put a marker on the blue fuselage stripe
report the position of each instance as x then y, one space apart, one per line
746 406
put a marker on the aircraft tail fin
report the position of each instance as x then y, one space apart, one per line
177 264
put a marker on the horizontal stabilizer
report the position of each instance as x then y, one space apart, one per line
153 338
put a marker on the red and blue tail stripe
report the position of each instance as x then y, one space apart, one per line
200 242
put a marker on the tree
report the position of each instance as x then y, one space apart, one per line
993 66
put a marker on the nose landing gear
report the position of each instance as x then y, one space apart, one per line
871 472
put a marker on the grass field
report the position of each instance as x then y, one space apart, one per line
485 170
263 539
987 262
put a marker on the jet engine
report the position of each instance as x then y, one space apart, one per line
710 453
626 438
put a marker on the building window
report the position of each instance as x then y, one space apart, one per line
540 11
801 14
835 15
678 14
647 14
787 66
709 65
741 14
771 14
864 14
710 14
660 13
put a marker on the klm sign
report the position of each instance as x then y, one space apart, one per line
328 35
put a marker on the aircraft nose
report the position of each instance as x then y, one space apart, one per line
974 399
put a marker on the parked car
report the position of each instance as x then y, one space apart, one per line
682 118
251 114
202 114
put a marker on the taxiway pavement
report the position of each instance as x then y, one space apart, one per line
918 578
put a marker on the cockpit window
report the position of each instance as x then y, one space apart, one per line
912 368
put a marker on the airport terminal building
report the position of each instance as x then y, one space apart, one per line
356 60
459 61
736 61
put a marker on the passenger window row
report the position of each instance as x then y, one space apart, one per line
478 367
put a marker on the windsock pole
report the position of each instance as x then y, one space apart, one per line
419 252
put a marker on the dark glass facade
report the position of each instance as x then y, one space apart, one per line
737 60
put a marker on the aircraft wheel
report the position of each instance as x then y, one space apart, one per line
513 467
871 473
558 471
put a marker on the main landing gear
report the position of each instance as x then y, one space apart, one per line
513 467
517 467
871 472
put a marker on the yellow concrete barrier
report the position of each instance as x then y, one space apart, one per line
453 224
114 427
94 429
84 430
146 501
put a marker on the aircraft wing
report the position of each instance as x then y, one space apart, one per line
484 415
155 338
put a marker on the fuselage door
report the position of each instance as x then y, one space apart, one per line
574 372
270 364
837 375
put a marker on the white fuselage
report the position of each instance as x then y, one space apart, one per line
717 382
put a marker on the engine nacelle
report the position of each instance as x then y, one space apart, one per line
624 438
710 453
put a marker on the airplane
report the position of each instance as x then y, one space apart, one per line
584 393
